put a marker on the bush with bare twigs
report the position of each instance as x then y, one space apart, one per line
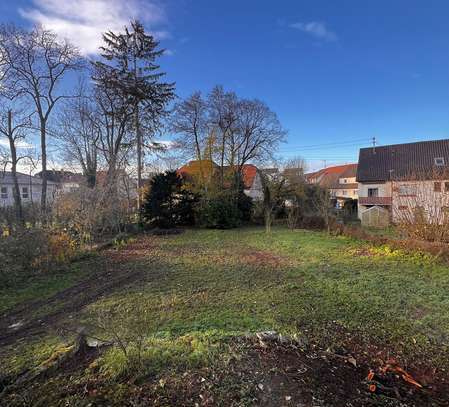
90 213
421 207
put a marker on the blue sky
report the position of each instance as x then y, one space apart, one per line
333 71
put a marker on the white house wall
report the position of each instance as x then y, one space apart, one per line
256 190
384 189
430 201
34 193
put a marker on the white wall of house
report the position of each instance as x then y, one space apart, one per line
256 190
30 192
430 196
344 193
384 189
350 180
66 187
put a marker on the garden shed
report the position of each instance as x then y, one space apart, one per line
376 216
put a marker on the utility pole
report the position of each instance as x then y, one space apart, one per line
374 145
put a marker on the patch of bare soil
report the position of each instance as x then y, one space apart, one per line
258 374
278 375
110 272
262 258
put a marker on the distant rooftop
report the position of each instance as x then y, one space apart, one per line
6 178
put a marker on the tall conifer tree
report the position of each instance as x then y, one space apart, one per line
129 67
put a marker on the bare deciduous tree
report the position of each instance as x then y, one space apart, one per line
259 133
34 64
234 131
114 119
13 127
275 193
190 122
79 134
223 109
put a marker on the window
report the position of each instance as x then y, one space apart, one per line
345 192
4 193
446 186
25 194
373 191
439 161
407 190
403 207
437 186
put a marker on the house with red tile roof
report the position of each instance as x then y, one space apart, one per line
252 182
340 180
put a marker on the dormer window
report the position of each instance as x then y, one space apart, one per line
439 161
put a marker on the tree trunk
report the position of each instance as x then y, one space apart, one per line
44 166
139 162
267 208
268 220
16 190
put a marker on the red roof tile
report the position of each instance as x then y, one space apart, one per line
328 177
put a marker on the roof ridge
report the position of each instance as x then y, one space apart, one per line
406 144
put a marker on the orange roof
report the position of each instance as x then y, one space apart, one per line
249 172
330 175
192 168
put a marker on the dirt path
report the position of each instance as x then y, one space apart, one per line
117 273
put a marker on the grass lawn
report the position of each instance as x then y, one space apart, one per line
189 295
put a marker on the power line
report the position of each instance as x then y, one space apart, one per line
335 142
352 143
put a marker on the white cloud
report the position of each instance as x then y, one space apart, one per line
316 29
83 21
168 144
20 144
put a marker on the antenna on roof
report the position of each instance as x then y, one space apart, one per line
374 145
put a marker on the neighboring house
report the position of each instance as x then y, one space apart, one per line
127 186
252 181
30 188
199 171
405 179
67 181
340 180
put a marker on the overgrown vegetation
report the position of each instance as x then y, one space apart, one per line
194 291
